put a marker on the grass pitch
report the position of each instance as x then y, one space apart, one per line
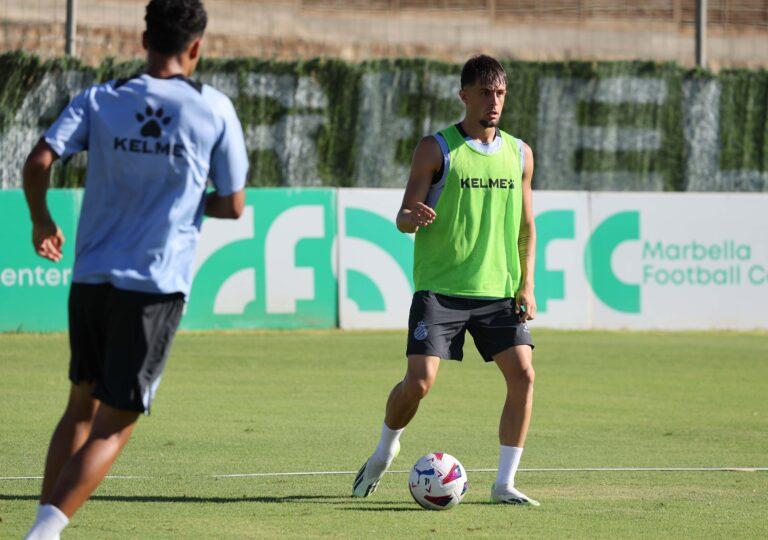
313 401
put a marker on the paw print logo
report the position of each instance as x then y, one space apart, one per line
152 121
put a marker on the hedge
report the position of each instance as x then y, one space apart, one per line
594 126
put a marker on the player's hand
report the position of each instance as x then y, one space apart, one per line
48 240
525 304
422 215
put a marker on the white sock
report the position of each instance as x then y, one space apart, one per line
49 523
387 447
509 460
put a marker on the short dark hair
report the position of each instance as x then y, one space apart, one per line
173 24
484 68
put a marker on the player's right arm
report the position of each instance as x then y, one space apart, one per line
67 136
47 238
427 160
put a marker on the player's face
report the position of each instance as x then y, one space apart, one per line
484 102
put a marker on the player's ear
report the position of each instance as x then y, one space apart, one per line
463 95
144 41
194 49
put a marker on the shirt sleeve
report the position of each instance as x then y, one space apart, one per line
69 133
229 160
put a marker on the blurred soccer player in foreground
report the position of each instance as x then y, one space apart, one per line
468 199
153 142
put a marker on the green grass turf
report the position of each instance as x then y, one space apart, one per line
313 401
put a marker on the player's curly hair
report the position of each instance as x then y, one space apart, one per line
173 24
484 68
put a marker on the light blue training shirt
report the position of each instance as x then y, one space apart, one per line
152 146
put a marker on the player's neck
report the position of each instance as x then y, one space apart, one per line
478 132
164 67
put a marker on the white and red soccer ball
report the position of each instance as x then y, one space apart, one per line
438 481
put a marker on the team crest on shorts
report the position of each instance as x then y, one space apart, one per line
420 333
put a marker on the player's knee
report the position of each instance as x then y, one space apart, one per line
113 424
417 388
528 375
111 435
524 376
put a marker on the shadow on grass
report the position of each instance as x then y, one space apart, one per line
380 508
324 499
363 506
367 506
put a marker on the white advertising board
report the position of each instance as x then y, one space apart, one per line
667 261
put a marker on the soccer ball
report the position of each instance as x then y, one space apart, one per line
438 481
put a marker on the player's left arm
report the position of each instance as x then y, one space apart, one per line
225 206
229 167
525 301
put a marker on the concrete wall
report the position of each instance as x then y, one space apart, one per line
286 30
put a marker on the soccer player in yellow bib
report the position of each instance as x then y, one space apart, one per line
469 202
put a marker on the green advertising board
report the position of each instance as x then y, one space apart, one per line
326 258
33 290
270 269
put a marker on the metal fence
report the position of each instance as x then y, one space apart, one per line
724 14
661 30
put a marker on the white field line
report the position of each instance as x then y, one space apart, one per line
586 469
545 470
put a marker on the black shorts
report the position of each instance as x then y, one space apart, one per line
437 325
120 341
